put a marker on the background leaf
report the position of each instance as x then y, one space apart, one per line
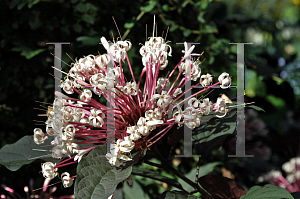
256 108
267 192
134 191
149 7
153 175
204 170
13 156
95 176
221 187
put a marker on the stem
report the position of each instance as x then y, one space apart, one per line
162 180
153 164
180 175
128 30
197 172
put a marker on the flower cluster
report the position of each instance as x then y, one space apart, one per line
292 180
136 112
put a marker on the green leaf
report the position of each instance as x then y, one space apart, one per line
88 18
149 7
204 170
174 27
175 195
267 192
211 60
255 108
153 175
203 5
95 176
31 54
21 5
200 17
210 136
28 53
134 191
13 4
129 25
165 7
88 41
13 156
77 27
82 7
187 32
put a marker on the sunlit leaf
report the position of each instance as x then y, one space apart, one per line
267 192
149 7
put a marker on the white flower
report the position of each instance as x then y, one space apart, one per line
67 86
225 80
57 140
163 99
177 115
39 136
143 126
57 152
221 107
78 114
96 118
193 102
161 81
48 170
177 92
130 88
191 118
102 60
49 128
68 132
67 112
66 179
86 95
127 145
134 133
125 44
69 147
118 53
206 80
195 70
112 156
288 167
206 106
275 174
79 155
291 178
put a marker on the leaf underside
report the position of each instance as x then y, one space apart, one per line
95 176
14 156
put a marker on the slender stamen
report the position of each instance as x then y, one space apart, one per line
117 27
167 33
46 186
60 59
